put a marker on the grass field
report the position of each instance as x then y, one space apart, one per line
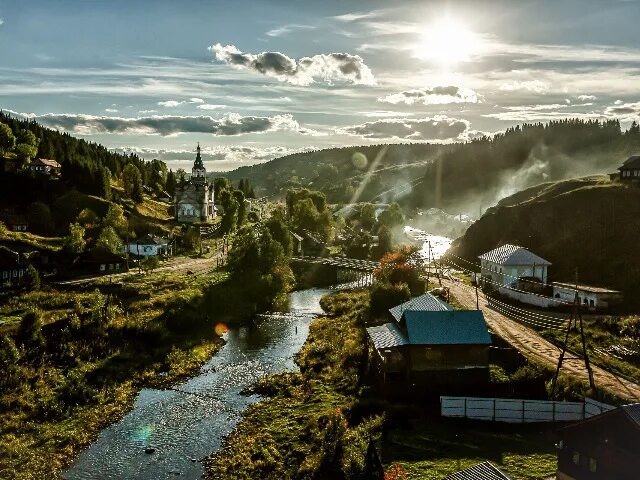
100 344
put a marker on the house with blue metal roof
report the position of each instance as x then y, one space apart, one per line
445 350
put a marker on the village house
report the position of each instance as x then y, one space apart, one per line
593 298
603 447
422 303
515 267
194 199
15 222
630 169
99 262
149 246
13 268
441 348
46 166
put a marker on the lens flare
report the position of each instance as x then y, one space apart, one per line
359 160
142 435
220 329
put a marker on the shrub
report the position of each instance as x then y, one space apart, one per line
34 278
30 329
387 295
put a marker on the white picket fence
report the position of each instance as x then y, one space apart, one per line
520 411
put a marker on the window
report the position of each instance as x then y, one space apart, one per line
4 275
102 267
593 465
576 457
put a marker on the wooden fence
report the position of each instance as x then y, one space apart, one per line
520 411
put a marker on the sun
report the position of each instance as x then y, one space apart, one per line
447 42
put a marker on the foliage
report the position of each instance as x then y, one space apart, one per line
391 216
74 242
34 278
386 295
40 219
401 266
109 240
132 181
30 330
279 231
242 207
229 211
115 219
7 138
149 264
171 183
88 218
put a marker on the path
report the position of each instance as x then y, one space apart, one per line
533 346
176 265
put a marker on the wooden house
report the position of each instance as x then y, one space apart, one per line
14 268
604 447
46 166
630 169
149 246
445 350
99 262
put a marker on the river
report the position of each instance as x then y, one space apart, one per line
186 426
439 244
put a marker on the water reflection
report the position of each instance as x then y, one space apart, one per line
189 422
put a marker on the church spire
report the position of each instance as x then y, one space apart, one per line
198 163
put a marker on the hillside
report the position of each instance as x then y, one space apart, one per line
339 172
460 178
590 224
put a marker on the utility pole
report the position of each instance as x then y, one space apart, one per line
475 278
575 316
428 263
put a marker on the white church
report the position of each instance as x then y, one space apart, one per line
194 199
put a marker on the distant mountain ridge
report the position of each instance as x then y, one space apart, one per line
460 178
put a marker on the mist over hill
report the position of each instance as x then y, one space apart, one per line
459 178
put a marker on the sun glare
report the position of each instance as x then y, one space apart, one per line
447 42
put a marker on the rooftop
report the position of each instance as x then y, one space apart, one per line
449 327
513 255
583 288
387 336
632 162
425 302
481 471
47 162
149 239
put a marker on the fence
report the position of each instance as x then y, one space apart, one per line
520 411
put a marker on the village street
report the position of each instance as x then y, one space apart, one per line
533 346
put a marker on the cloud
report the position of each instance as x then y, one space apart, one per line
1 21
582 98
209 106
355 16
111 110
330 68
626 111
437 128
433 96
286 29
175 103
165 125
536 86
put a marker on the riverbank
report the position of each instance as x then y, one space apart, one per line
312 423
94 348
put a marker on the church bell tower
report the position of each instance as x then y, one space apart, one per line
198 172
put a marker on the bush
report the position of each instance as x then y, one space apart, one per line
34 278
30 330
387 295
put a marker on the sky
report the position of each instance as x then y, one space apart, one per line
255 80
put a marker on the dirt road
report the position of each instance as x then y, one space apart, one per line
178 265
533 346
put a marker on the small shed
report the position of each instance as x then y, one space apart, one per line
630 169
603 447
588 296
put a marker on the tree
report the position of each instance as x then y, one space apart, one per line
157 175
7 139
115 219
132 180
88 218
170 185
149 264
220 184
30 330
25 153
242 207
34 278
74 242
229 211
3 230
40 218
367 216
280 231
103 183
109 240
401 266
391 216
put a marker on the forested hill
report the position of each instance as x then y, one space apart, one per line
339 172
589 224
86 166
461 178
